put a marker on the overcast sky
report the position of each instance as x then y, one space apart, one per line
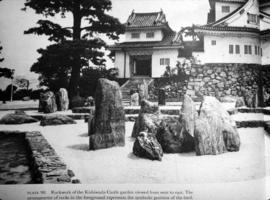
19 50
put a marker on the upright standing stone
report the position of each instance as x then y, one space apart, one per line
161 96
47 103
62 100
188 115
109 120
215 131
134 99
143 91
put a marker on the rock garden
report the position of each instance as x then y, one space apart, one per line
189 142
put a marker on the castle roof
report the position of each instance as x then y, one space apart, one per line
226 28
170 40
265 34
147 20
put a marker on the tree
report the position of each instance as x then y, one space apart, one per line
5 72
22 83
74 46
90 76
189 31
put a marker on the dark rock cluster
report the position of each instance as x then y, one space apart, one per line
210 132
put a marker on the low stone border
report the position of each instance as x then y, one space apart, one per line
73 116
46 166
254 110
83 110
250 124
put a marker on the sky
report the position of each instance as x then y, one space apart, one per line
19 50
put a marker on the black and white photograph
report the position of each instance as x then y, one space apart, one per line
135 93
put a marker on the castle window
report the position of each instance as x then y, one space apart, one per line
150 35
214 42
237 49
231 49
165 61
256 50
252 18
248 49
225 9
135 35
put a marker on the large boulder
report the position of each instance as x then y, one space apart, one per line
145 123
208 139
188 115
62 100
47 103
173 136
149 107
109 126
147 146
215 130
52 120
18 117
148 119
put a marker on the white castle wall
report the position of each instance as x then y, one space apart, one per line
158 36
220 52
157 69
218 7
266 52
120 64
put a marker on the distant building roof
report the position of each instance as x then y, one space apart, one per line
265 34
146 20
226 28
169 40
233 1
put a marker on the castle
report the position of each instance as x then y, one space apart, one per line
237 31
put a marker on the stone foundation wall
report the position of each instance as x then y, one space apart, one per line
175 88
219 80
223 79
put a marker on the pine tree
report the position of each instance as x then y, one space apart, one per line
73 46
5 72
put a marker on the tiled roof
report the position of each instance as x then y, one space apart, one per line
170 40
228 28
264 13
263 1
233 1
265 32
153 19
